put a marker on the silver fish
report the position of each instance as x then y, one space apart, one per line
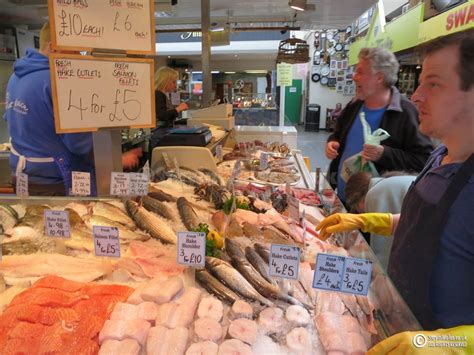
187 213
214 286
151 223
34 216
161 195
157 207
33 245
259 264
113 213
125 234
234 280
240 262
215 178
8 217
262 251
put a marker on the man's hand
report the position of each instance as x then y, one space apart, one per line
332 148
372 152
182 107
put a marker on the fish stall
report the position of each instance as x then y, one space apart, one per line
66 288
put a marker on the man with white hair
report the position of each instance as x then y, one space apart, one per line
384 107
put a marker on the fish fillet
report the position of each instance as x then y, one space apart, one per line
136 329
37 265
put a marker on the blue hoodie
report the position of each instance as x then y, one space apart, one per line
30 117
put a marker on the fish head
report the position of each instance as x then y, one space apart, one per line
233 249
131 207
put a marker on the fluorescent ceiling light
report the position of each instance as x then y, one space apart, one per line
230 72
256 71
215 72
218 29
301 5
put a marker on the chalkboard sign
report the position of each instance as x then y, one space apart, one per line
91 93
127 25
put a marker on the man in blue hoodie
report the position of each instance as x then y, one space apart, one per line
46 157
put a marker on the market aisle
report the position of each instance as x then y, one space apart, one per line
312 144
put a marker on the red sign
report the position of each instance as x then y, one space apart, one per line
460 18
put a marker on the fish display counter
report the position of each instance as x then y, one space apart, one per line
59 295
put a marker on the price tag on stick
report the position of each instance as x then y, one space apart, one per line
219 153
328 272
357 276
338 273
294 209
284 261
22 184
81 183
106 241
119 184
263 161
167 160
56 224
192 249
138 184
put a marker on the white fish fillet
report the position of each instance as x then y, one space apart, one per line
164 341
119 347
124 311
136 329
17 267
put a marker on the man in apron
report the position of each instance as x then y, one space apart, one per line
432 257
45 157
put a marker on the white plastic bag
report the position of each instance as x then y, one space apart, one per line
355 163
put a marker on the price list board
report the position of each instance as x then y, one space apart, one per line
92 92
192 249
338 273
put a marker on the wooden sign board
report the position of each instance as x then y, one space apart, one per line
127 25
91 93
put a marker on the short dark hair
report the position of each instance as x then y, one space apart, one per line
356 189
464 41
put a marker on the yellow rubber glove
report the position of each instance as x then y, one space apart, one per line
377 223
458 340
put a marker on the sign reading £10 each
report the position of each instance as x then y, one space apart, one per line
107 24
91 93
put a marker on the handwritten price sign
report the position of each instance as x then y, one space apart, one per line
284 261
138 184
21 185
192 249
56 224
338 273
106 241
81 183
119 184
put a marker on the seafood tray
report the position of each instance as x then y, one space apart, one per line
245 310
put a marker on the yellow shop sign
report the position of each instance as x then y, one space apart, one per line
455 20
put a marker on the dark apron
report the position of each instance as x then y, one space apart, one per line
416 242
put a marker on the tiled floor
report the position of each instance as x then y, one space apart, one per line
312 144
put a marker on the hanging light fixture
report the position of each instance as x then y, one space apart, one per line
301 5
298 5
